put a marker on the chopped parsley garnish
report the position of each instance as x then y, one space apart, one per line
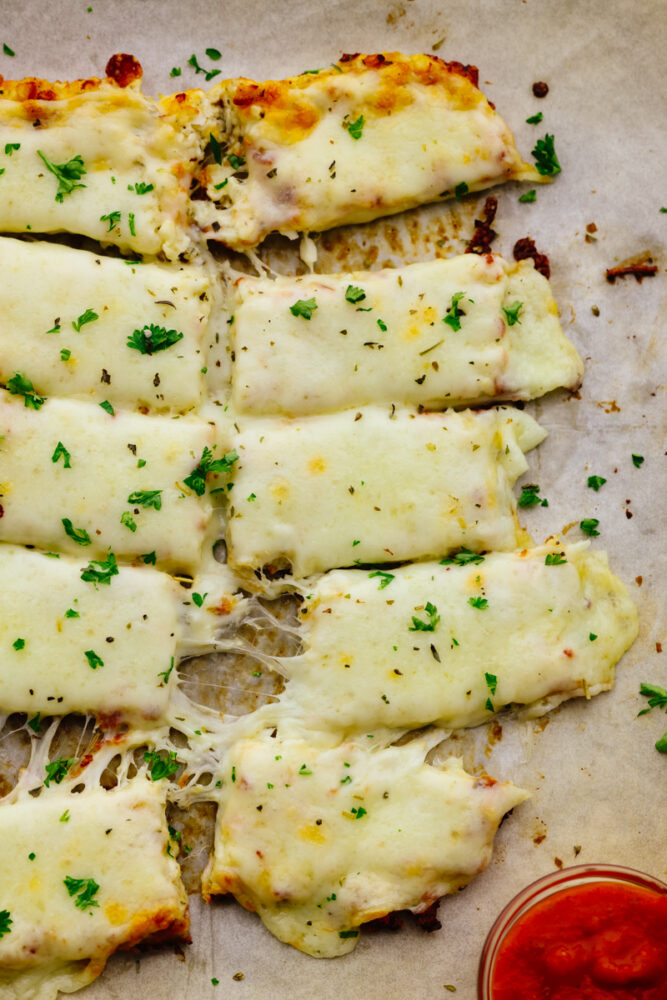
5 916
71 613
113 218
233 775
67 174
159 766
140 187
530 496
18 644
462 558
535 119
65 817
127 519
480 603
35 723
452 317
219 187
19 385
8 52
78 535
421 626
62 452
354 294
528 196
94 661
590 525
106 405
355 128
491 682
460 190
383 326
555 559
85 889
213 54
546 161
152 338
488 705
208 73
57 770
592 637
595 482
146 498
512 313
196 481
65 354
216 149
166 674
304 308
10 147
175 71
348 934
130 222
637 460
304 769
89 316
346 780
657 698
198 599
235 162
358 812
149 558
385 578
100 571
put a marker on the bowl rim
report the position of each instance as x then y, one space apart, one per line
542 888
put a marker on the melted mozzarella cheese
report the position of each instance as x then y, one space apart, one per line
123 141
38 334
132 625
319 841
392 336
373 136
38 492
119 839
375 486
368 664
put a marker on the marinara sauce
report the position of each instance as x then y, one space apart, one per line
585 938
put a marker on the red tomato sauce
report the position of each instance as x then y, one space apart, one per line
601 941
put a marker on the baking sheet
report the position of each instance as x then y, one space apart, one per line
596 780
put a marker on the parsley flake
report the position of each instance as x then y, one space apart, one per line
421 626
589 525
65 354
5 916
159 766
358 812
460 190
8 52
637 460
140 187
113 218
67 174
235 162
348 934
196 481
149 558
100 571
62 452
71 613
354 128
304 308
354 294
385 578
35 723
19 385
546 161
530 496
480 603
595 482
491 682
592 636
555 559
106 405
94 661
78 535
512 313
127 520
146 498
462 558
198 599
89 316
18 644
85 889
452 317
214 54
535 119
528 196
10 147
56 770
383 326
166 674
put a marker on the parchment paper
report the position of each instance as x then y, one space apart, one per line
597 782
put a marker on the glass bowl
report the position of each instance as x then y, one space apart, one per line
543 888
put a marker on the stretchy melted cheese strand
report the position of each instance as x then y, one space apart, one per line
372 136
394 336
67 645
451 644
93 158
321 841
72 338
73 478
81 876
376 485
